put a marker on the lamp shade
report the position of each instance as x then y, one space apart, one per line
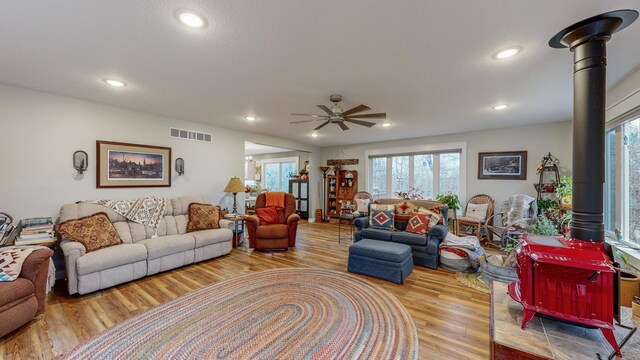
235 185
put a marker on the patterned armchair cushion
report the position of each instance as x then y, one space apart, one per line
419 223
477 211
203 217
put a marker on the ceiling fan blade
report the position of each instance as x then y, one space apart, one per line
343 126
370 116
357 109
314 115
360 122
326 109
322 125
302 121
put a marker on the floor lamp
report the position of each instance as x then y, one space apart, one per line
324 189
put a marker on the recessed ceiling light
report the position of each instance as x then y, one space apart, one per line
507 53
191 18
250 118
500 107
315 134
115 83
386 124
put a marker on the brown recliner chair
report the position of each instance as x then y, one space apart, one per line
274 236
24 298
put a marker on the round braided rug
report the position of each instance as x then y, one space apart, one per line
274 314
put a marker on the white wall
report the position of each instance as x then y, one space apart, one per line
40 131
538 140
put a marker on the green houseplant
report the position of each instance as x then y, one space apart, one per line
565 190
451 200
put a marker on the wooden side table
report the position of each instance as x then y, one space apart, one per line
238 229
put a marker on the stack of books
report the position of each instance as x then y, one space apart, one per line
36 231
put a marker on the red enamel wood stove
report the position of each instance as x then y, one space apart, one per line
571 280
575 280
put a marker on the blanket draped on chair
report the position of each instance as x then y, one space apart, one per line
147 211
11 260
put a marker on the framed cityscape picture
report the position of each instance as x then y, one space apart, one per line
504 165
132 165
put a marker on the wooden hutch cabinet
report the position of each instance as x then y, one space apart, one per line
340 188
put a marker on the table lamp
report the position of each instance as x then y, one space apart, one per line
234 186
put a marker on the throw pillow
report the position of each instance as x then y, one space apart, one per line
404 208
203 217
434 216
94 232
267 215
381 219
477 211
362 205
383 207
419 223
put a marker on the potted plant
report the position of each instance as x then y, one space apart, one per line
564 191
452 201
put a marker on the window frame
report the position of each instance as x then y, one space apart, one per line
620 113
460 147
279 161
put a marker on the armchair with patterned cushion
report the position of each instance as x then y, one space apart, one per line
280 231
24 298
477 214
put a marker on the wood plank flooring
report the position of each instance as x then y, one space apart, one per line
452 320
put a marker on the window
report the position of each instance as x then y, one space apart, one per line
276 173
622 182
429 172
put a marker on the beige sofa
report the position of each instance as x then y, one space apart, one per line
140 254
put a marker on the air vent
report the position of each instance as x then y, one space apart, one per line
184 134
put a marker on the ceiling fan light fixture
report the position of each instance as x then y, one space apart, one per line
386 124
250 118
314 134
500 107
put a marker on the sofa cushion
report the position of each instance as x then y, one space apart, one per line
168 245
15 290
94 232
384 207
381 219
409 238
273 231
210 237
381 250
110 257
418 223
404 208
376 234
203 217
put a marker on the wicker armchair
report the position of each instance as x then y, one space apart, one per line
469 225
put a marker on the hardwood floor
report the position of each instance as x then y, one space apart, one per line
452 320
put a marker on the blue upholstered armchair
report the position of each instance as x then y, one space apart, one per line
424 248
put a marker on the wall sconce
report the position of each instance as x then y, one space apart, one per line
80 161
248 158
180 166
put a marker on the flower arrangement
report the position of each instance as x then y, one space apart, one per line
412 194
251 189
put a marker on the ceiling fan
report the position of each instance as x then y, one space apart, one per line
335 115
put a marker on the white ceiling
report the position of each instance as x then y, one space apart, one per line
259 149
427 64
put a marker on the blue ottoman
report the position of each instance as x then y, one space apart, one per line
381 259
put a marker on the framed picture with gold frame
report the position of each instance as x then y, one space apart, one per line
121 165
